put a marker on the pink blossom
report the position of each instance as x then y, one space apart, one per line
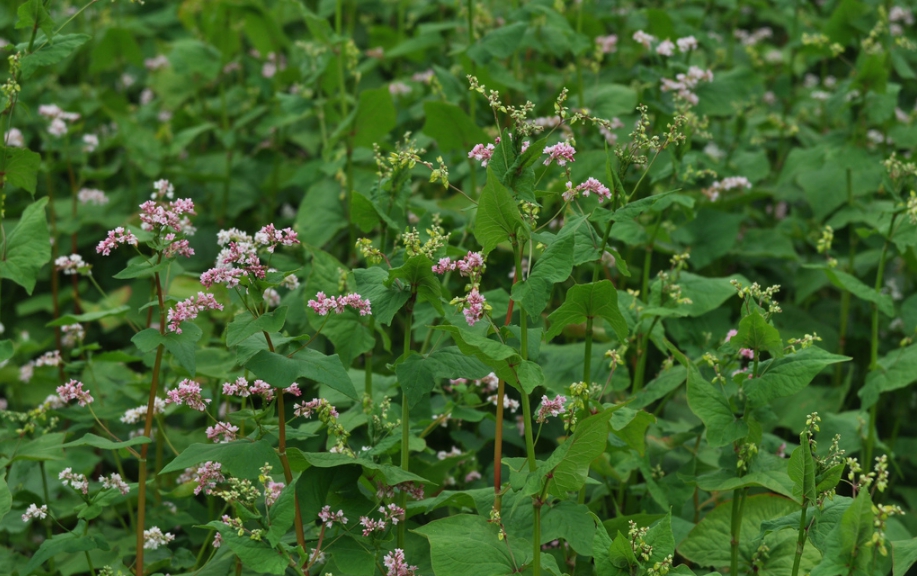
730 334
643 38
324 304
474 307
271 237
189 308
607 44
665 48
444 265
415 491
222 432
482 153
228 276
307 409
328 517
33 511
188 393
550 408
115 237
272 491
76 481
562 152
472 476
207 476
591 185
396 565
92 196
747 353
370 525
393 513
73 390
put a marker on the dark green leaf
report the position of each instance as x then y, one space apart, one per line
418 374
505 361
49 54
498 218
241 458
280 371
417 272
788 375
90 439
452 129
22 166
593 300
27 248
245 325
386 300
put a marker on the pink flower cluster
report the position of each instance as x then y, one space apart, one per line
222 432
472 264
189 308
92 196
393 513
724 185
115 481
370 525
589 186
482 153
323 304
73 390
271 237
684 84
550 408
473 308
115 237
173 215
207 476
241 388
307 409
76 481
396 565
188 393
562 152
607 44
328 517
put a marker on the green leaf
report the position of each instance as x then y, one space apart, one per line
464 544
452 129
90 439
27 248
802 471
593 300
50 53
706 294
417 272
708 543
895 370
280 371
856 287
418 374
570 521
256 555
245 325
386 300
6 499
6 350
498 218
390 474
282 512
67 543
847 549
88 316
241 458
505 361
630 426
33 15
554 265
375 116
711 406
183 346
142 268
904 555
755 333
22 166
567 468
788 375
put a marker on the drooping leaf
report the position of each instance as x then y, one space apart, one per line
454 537
451 128
245 325
257 555
895 370
22 166
505 361
375 116
418 374
241 458
280 371
417 273
593 300
802 471
90 439
554 265
756 334
27 248
33 14
49 54
386 300
498 219
788 375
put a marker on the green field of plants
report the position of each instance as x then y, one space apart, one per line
458 287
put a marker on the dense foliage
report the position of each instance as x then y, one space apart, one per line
458 288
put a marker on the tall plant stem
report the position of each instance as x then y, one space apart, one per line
284 460
738 503
405 415
643 352
874 343
148 426
845 294
800 540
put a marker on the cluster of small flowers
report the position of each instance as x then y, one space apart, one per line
399 88
393 513
189 308
154 538
384 491
188 393
76 481
370 525
606 44
396 565
115 237
550 408
92 196
472 265
473 305
272 491
157 63
442 454
328 517
490 382
73 390
269 237
751 38
137 414
58 118
34 511
47 359
899 14
606 131
724 185
14 138
207 476
115 481
685 83
323 304
589 186
222 432
508 403
70 265
318 406
482 153
239 255
243 389
90 143
667 47
562 152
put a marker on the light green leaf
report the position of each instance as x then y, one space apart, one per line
6 350
282 512
418 374
802 471
498 218
392 475
241 458
6 499
33 15
66 543
386 300
22 166
570 521
505 361
452 129
855 286
50 54
375 116
280 371
27 247
417 272
554 265
245 325
142 268
90 439
593 300
895 370
257 555
766 471
453 539
788 375
706 294
846 547
756 334
904 555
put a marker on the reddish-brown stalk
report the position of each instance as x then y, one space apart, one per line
498 433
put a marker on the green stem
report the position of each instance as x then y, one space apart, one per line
801 540
845 294
405 413
738 503
642 353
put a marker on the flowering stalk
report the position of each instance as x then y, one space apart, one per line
845 294
405 412
148 425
